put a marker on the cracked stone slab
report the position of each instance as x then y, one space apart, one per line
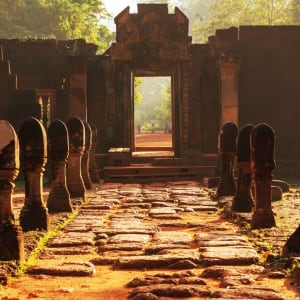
136 204
173 291
162 211
65 269
129 238
235 255
202 208
248 293
163 259
201 237
121 247
81 250
172 237
72 239
186 277
154 249
113 231
219 271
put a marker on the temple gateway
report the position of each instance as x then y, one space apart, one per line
245 75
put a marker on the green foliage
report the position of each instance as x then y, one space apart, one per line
154 103
61 19
224 14
138 81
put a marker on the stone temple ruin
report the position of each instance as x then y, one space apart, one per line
67 109
244 75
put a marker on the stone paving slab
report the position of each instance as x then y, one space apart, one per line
172 237
169 290
121 247
78 250
72 239
65 269
129 238
163 259
235 255
220 271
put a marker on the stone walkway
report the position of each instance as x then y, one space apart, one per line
171 233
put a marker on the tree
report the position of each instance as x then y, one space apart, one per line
61 19
224 14
295 12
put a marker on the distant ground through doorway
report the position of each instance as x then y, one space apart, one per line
158 143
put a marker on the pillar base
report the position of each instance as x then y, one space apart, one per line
262 220
34 217
59 201
11 242
226 188
242 203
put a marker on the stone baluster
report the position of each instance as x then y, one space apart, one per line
11 235
227 150
92 163
76 147
58 151
86 157
262 141
243 201
33 154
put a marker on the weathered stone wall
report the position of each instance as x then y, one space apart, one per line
52 64
269 87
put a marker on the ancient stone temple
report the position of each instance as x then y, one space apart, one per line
241 75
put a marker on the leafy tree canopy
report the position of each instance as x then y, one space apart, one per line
61 19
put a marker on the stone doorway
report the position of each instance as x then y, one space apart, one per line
153 114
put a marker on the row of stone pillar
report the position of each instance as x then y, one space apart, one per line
69 149
253 149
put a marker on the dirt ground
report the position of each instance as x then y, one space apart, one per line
155 139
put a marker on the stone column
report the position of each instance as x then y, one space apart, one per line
11 235
58 151
86 157
33 154
262 163
76 147
227 150
92 162
243 201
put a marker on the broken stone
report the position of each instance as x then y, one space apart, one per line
157 261
167 290
248 293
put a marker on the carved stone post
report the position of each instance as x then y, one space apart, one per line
11 235
76 147
58 152
33 152
86 157
227 150
92 163
292 245
262 163
243 201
